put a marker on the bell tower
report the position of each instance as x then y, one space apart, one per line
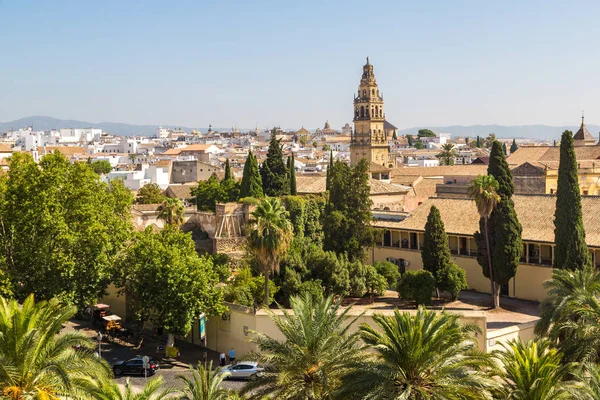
369 139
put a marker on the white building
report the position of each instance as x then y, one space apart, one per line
162 133
77 135
135 180
125 146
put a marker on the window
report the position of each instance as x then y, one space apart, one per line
585 192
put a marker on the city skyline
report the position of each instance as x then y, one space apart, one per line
247 65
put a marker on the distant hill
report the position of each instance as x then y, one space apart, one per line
504 131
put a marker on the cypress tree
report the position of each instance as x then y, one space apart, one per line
292 170
571 251
504 149
228 174
503 225
274 174
251 181
329 170
394 136
435 251
478 142
513 146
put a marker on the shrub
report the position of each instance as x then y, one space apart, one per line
417 286
250 201
374 281
248 290
452 279
315 288
389 271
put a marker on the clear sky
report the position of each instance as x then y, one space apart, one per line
294 63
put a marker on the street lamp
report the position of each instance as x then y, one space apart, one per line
99 337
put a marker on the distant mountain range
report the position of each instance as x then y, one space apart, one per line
542 132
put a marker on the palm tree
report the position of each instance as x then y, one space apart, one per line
426 355
317 350
171 210
588 383
204 384
110 390
448 154
35 362
484 190
270 236
570 314
532 370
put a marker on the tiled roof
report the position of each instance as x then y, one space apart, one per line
64 150
196 147
535 213
5 148
313 184
583 133
172 152
446 170
374 167
547 155
527 153
145 207
180 191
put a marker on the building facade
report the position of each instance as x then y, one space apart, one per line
369 139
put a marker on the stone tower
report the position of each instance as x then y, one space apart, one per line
369 139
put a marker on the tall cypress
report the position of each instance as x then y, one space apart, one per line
274 174
329 171
504 149
251 181
571 251
478 142
513 146
503 225
394 136
228 174
292 170
435 251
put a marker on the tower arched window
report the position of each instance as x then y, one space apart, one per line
372 92
380 113
376 111
362 111
364 93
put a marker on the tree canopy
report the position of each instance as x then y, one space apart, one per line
426 133
150 193
514 147
251 185
101 167
274 174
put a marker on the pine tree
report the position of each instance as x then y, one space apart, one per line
571 251
514 147
274 174
478 142
329 169
292 170
503 225
435 251
228 175
504 149
251 181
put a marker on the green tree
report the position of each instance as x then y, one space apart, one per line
171 211
467 140
61 228
533 370
483 189
326 147
504 149
36 363
448 154
303 140
435 251
571 250
514 147
204 383
101 167
503 226
427 355
389 271
426 133
110 390
489 141
251 180
478 142
347 222
589 379
292 170
394 136
274 174
270 236
329 171
209 193
419 145
228 173
150 193
410 139
248 290
167 282
317 350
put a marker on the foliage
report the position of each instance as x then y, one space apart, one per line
410 139
326 147
228 174
150 193
504 149
110 390
250 201
249 290
571 250
221 266
305 213
478 142
35 363
514 147
364 279
389 271
489 141
394 136
347 222
532 370
448 154
292 170
419 145
171 211
166 280
426 133
416 286
251 185
435 252
270 236
452 279
204 383
274 174
101 167
61 228
427 355
317 350
211 192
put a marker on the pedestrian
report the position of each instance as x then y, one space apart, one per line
231 356
222 359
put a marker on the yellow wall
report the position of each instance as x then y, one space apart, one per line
588 179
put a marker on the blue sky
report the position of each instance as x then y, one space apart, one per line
294 63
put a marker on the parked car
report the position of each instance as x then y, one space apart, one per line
242 370
134 366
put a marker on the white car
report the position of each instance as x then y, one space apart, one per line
242 370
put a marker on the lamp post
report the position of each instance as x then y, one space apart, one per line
99 337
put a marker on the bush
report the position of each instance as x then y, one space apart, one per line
374 281
250 201
452 279
315 288
248 290
417 286
389 271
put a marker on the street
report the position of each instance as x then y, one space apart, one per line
171 381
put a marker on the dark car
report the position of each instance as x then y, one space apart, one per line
134 366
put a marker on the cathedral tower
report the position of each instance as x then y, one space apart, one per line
369 139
